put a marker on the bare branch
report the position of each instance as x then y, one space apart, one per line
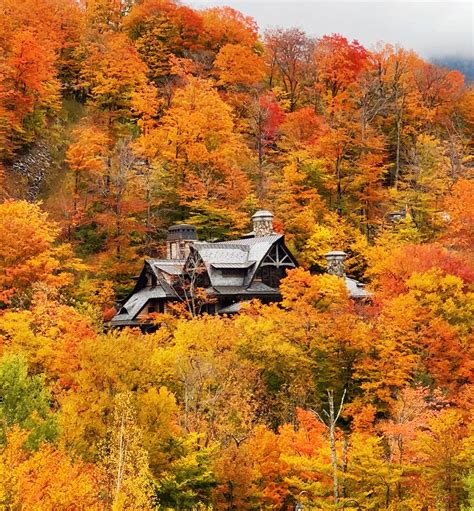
340 406
314 412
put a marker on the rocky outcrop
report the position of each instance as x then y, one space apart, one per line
31 168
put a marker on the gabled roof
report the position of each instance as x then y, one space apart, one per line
162 272
169 266
136 302
220 253
243 253
256 244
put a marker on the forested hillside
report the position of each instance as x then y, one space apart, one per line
463 64
119 118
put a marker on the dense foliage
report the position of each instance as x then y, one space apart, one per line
152 113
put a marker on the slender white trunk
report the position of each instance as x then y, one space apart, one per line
330 423
120 464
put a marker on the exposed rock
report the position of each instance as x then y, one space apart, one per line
32 167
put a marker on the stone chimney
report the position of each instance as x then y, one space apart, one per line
262 223
335 263
180 238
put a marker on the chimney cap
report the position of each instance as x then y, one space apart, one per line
262 213
182 232
335 253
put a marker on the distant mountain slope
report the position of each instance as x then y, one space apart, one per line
463 64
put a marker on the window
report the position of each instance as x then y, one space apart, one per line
210 308
274 265
202 280
271 275
156 306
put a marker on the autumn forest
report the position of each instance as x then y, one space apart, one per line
120 118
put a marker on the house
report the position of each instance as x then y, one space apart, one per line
216 277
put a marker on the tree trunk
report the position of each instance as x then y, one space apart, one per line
339 188
120 460
76 192
397 155
345 448
332 418
108 175
332 439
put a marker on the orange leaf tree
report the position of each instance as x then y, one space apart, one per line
30 253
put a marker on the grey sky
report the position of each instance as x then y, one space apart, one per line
431 28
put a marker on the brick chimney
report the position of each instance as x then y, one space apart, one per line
335 263
180 238
262 223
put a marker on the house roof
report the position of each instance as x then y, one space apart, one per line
137 301
226 266
260 287
227 290
231 309
171 267
356 289
215 253
243 253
